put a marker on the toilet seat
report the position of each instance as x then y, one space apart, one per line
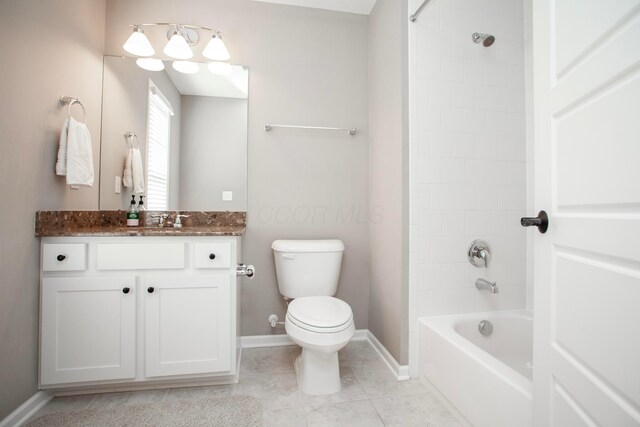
321 314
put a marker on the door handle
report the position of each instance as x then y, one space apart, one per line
541 221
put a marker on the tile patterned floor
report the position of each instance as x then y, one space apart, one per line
370 394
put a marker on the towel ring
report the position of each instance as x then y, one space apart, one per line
68 101
128 137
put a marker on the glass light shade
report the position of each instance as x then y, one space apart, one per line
220 68
138 44
186 67
150 64
216 50
178 47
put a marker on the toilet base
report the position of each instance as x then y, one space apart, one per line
318 373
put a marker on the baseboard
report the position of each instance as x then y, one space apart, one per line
27 409
400 371
276 340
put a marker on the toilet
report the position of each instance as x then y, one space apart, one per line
308 273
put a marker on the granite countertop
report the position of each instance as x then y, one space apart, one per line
112 224
116 231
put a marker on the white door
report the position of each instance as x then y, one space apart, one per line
587 266
188 324
88 329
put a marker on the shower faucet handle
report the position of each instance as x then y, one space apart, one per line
479 253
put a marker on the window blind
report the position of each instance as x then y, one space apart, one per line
158 137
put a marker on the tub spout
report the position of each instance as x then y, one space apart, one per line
485 285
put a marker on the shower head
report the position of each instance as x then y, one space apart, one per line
486 39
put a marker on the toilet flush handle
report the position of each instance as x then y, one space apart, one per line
287 256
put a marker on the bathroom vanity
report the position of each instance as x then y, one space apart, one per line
157 308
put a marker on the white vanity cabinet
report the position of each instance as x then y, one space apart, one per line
137 311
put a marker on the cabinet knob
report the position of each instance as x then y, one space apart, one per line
61 258
125 290
150 289
212 256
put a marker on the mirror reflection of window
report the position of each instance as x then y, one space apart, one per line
159 114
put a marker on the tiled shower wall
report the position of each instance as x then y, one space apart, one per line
468 157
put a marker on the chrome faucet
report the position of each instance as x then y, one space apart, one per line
163 220
479 254
485 285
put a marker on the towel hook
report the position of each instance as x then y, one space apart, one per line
69 101
129 136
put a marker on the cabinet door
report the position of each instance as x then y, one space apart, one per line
187 324
88 329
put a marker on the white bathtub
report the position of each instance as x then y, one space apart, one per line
487 378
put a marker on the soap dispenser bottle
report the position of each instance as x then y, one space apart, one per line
141 211
132 215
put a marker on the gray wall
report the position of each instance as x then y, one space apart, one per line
50 48
213 153
124 108
308 67
388 304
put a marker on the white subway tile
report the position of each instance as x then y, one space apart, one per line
463 95
450 19
486 147
439 42
462 46
430 170
452 69
465 146
464 301
453 171
475 171
453 275
439 92
497 74
475 72
464 196
430 276
453 223
442 197
429 224
442 144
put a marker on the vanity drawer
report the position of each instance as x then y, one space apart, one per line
64 257
140 256
212 255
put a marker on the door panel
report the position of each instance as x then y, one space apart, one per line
187 325
587 266
88 329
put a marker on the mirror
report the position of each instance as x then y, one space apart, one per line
191 130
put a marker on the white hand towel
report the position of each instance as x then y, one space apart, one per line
61 163
137 171
127 179
79 155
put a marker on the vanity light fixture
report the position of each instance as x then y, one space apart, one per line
215 49
178 48
186 67
150 64
182 39
138 44
220 68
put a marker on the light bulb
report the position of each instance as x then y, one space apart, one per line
178 47
186 67
220 68
138 44
150 64
216 49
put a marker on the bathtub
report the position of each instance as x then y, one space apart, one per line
487 378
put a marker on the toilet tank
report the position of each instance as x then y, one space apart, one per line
307 268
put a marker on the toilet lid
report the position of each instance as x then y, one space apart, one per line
320 312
